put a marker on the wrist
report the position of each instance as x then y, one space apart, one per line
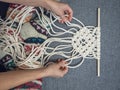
46 4
42 72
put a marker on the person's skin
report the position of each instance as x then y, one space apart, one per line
57 7
12 79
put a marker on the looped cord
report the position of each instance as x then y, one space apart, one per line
82 41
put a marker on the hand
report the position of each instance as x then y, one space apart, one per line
61 9
57 70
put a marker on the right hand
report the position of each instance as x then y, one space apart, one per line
61 9
57 70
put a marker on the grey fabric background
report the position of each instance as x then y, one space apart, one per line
84 77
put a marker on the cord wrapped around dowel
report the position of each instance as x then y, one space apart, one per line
84 41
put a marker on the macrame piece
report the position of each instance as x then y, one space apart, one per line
81 41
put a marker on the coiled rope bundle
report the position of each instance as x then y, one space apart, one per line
82 41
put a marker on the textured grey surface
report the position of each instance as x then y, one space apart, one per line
84 77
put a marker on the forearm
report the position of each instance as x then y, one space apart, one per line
58 8
15 78
12 79
29 2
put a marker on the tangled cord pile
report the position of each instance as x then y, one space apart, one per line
82 41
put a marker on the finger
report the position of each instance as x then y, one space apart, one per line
61 21
58 60
70 14
65 70
62 63
64 19
64 16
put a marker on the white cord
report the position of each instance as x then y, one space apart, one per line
82 41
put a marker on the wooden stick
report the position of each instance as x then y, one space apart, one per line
98 61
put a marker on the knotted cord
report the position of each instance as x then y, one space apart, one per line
83 41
